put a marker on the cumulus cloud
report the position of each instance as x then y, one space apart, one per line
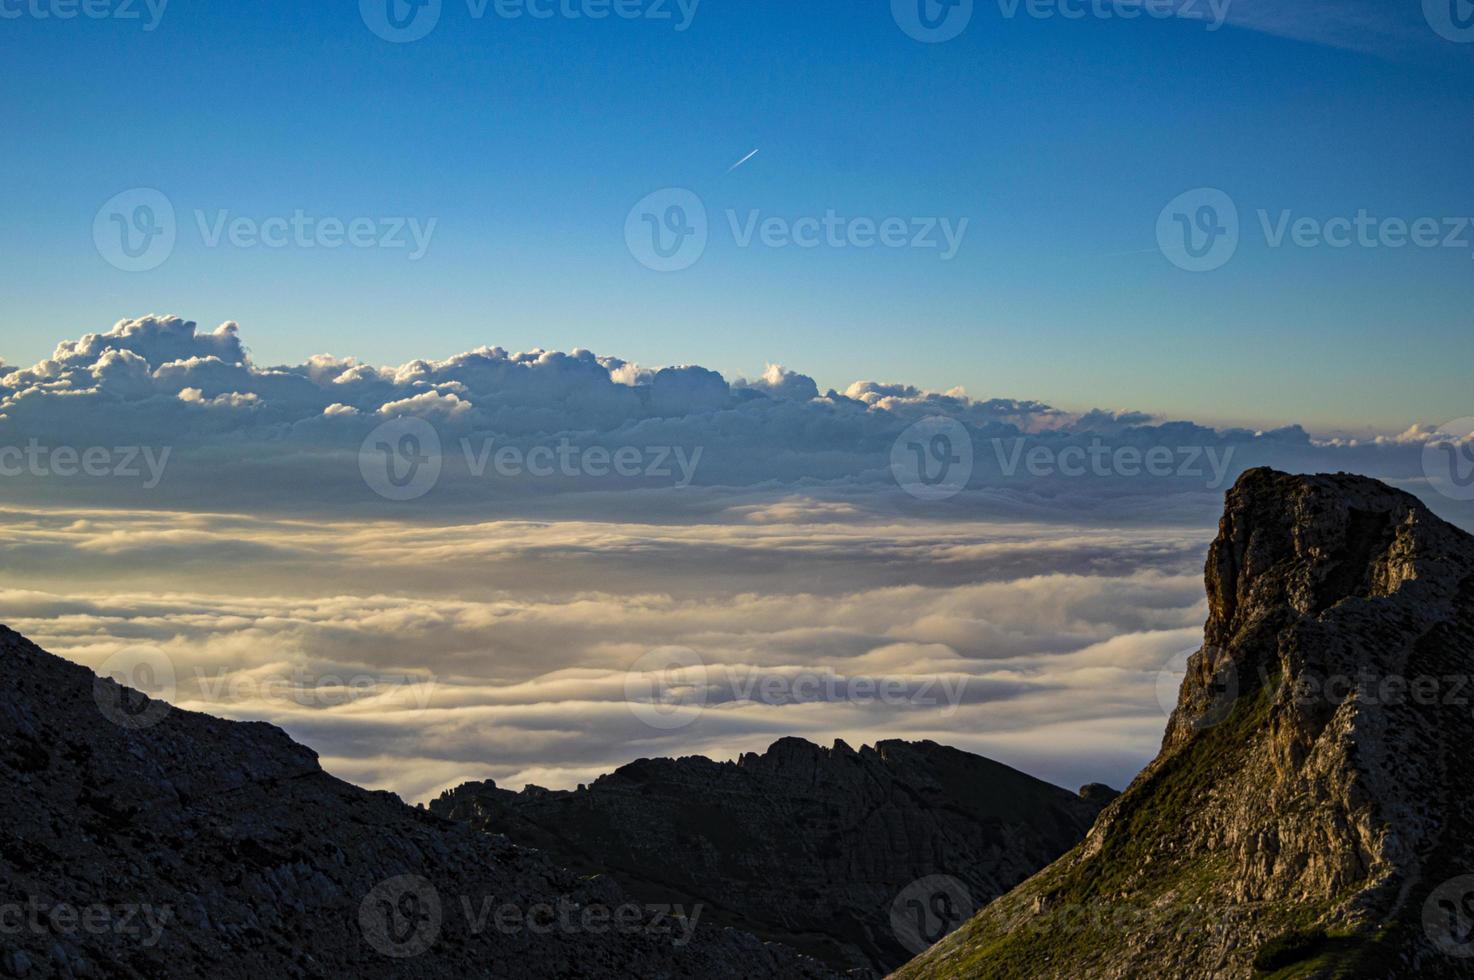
251 437
779 382
230 399
428 404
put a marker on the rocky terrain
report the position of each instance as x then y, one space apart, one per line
137 840
1309 814
822 849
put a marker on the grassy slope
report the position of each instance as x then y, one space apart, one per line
1131 884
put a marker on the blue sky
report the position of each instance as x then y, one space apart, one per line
528 141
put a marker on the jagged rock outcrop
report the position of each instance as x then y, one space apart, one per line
807 845
1311 813
142 841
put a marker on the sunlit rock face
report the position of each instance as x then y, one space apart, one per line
1309 808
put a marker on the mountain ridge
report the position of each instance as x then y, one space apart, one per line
802 844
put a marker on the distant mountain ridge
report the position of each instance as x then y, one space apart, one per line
1309 814
809 846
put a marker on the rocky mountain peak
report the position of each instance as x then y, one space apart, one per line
1308 542
1308 813
1290 549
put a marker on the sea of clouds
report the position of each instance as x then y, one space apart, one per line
791 577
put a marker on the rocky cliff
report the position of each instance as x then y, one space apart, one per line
138 840
833 851
1311 813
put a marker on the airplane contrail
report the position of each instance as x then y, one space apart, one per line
742 161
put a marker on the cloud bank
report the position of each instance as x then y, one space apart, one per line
578 434
417 656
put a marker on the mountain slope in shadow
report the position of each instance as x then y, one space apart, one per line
139 840
821 849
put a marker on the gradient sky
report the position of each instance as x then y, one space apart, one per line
529 141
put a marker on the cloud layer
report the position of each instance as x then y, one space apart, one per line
548 434
413 657
609 561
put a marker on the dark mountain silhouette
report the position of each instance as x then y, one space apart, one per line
813 847
138 840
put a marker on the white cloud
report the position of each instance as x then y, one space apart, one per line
413 655
230 399
284 438
429 404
